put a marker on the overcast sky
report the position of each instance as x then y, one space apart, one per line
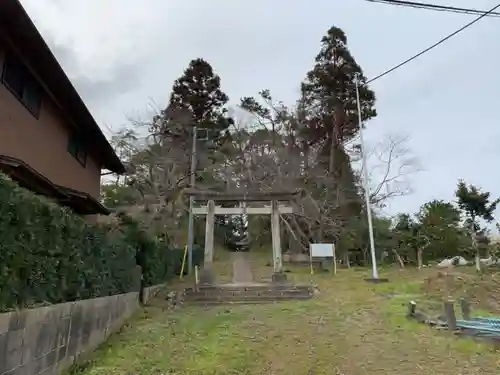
122 55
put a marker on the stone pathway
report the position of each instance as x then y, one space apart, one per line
241 268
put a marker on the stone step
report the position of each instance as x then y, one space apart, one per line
249 291
240 293
244 301
233 296
252 288
248 294
229 293
247 299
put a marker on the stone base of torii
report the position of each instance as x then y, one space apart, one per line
275 208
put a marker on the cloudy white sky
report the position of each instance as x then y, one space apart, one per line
124 54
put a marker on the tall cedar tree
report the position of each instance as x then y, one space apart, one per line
197 92
476 205
330 90
329 93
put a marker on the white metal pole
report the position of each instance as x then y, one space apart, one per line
311 260
191 203
366 187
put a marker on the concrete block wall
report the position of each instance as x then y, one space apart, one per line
150 292
47 340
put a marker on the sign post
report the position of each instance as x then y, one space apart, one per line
322 250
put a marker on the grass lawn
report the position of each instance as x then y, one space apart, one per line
351 327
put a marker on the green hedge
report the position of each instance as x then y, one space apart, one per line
177 255
159 262
156 265
153 255
48 254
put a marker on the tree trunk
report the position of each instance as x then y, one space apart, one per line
478 261
383 257
333 145
306 155
347 260
398 258
419 257
476 248
320 232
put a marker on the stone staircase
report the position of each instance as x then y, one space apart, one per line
244 289
246 294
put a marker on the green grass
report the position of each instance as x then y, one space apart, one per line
352 327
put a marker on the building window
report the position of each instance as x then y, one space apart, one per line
17 78
77 149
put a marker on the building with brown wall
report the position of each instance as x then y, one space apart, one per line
49 141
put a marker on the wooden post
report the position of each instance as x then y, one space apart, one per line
465 307
183 262
334 260
276 233
311 260
196 281
412 307
449 312
206 274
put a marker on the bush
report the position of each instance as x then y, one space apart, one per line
48 254
177 254
159 262
152 254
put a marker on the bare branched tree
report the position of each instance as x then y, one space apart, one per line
392 165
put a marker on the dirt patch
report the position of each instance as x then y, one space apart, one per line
241 268
480 289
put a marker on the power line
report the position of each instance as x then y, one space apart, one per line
435 7
435 44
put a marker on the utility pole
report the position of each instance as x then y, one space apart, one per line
191 202
366 189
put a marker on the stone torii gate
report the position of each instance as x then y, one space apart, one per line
210 210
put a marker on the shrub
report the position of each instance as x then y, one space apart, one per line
152 253
177 254
159 262
48 254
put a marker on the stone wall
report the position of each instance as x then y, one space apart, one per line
150 292
47 340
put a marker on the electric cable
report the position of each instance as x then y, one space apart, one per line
435 7
441 41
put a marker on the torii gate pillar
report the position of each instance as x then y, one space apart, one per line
276 239
207 273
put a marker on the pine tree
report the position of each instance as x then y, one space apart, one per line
197 95
476 205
